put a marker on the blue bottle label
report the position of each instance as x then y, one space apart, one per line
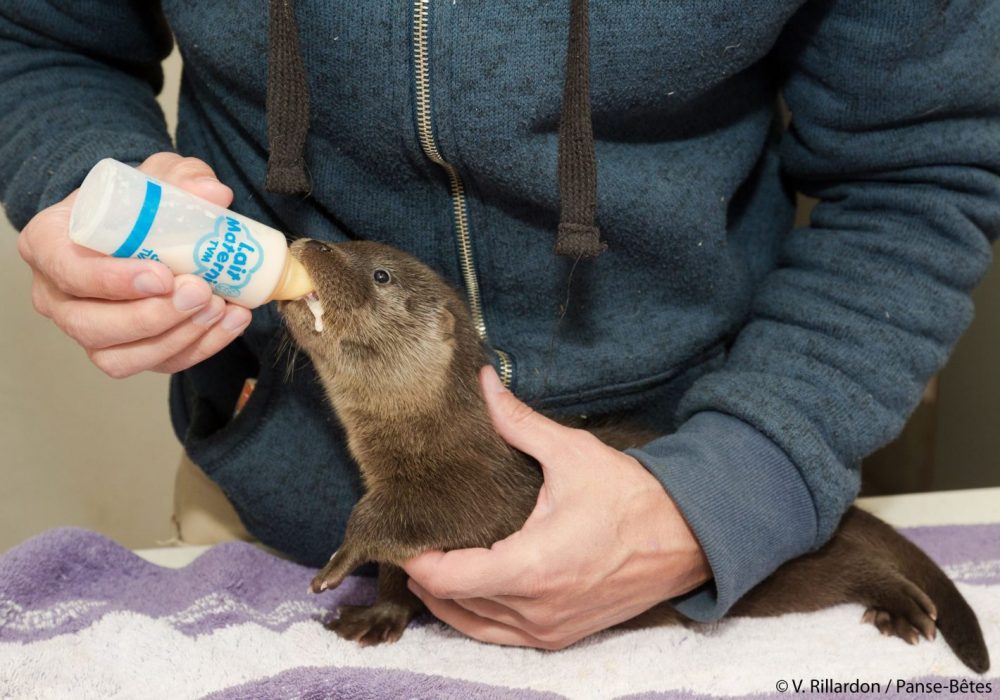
228 257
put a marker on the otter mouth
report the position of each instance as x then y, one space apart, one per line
316 308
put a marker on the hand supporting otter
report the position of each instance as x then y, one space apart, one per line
604 543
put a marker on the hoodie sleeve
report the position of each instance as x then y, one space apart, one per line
78 82
896 131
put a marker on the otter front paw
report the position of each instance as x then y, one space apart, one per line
343 562
905 612
382 622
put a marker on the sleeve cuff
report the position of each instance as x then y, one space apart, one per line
746 502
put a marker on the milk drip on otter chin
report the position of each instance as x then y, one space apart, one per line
125 213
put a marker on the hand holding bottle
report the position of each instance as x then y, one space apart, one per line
130 315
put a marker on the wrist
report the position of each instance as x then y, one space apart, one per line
664 541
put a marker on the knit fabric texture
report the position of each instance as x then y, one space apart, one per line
287 103
578 236
772 359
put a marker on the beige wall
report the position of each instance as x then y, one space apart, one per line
78 448
82 449
967 450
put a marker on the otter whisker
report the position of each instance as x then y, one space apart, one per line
287 350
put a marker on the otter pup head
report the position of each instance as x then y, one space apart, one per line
388 322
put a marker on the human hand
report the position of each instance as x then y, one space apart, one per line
604 543
130 315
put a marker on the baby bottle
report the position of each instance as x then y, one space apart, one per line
125 213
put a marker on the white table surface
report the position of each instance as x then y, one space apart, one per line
965 507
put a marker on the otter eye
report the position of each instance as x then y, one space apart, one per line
382 277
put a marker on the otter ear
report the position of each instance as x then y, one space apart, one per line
446 324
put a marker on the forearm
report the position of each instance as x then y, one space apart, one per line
896 130
900 142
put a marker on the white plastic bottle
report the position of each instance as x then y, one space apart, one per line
124 212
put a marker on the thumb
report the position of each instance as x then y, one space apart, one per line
519 424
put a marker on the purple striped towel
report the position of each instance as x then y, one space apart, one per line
82 617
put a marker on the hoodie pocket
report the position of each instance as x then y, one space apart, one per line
203 402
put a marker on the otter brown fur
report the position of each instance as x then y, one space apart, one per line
399 360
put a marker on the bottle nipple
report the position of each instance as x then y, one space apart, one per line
295 282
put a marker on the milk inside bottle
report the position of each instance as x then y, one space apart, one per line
125 213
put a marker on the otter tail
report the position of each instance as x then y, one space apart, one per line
956 620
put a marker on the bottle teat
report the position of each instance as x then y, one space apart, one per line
295 282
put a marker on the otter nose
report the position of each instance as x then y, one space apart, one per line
318 245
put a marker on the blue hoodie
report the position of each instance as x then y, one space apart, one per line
772 359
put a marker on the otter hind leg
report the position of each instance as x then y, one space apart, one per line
386 620
903 610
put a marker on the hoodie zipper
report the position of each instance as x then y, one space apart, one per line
425 132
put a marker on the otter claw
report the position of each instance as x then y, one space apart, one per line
318 585
332 574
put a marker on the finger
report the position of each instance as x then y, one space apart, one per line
517 423
42 293
472 625
190 174
125 360
24 247
97 324
497 612
477 572
234 322
545 626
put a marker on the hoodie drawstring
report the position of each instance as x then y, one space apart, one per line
578 235
287 104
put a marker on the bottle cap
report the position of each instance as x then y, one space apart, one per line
295 282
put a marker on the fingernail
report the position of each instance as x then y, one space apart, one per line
212 182
210 314
234 320
191 296
149 283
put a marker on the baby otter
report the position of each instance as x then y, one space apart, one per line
398 357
